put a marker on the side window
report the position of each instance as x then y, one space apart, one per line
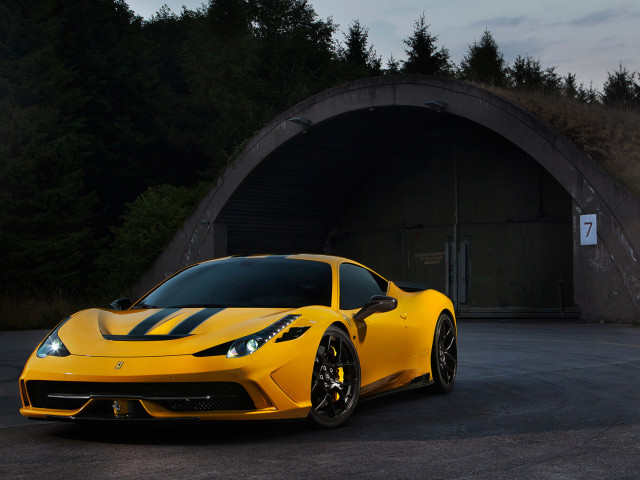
358 285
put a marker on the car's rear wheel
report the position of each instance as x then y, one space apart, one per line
444 356
335 382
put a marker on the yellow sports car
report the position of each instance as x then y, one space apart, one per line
238 338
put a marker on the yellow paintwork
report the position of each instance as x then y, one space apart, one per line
393 349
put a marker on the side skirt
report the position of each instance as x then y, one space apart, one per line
417 382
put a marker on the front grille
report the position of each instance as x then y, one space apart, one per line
178 397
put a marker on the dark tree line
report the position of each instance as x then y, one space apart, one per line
99 107
111 127
485 64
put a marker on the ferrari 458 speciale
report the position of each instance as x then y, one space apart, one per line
238 338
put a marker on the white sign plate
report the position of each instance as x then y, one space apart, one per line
588 230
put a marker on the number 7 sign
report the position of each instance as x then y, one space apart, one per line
588 230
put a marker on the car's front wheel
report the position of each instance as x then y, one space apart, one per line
444 355
335 382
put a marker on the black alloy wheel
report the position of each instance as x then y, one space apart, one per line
444 356
335 382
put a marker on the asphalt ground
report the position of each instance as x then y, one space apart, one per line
533 400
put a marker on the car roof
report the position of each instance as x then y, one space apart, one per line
334 260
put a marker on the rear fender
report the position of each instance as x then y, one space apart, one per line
422 310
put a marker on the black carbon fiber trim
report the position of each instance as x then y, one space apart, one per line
292 334
215 351
142 338
178 396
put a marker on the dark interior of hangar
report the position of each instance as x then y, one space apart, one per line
419 196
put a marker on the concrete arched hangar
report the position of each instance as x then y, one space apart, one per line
435 181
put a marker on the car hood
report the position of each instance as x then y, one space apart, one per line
159 332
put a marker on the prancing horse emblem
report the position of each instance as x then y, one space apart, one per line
119 365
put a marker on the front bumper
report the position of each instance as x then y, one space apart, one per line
172 387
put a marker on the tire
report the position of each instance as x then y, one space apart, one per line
335 381
444 356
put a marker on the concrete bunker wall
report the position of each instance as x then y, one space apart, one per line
468 213
606 277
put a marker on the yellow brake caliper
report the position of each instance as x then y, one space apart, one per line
340 376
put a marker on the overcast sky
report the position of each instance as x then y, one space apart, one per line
585 37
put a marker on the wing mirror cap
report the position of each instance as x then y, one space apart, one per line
121 304
377 304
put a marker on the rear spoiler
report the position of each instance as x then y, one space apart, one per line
410 286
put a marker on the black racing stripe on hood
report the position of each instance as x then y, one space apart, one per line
188 325
150 322
141 338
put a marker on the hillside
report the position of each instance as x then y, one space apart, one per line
611 137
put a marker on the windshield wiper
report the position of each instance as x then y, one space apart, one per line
143 305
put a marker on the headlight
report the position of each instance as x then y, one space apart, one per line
52 345
249 344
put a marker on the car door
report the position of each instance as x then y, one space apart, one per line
382 336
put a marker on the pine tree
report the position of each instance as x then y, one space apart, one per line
589 96
569 86
355 50
484 63
620 89
526 73
358 53
424 58
393 66
551 82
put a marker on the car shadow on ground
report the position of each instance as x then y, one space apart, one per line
364 422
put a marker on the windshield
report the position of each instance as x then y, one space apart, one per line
264 282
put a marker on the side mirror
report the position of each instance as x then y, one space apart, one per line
377 304
121 304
